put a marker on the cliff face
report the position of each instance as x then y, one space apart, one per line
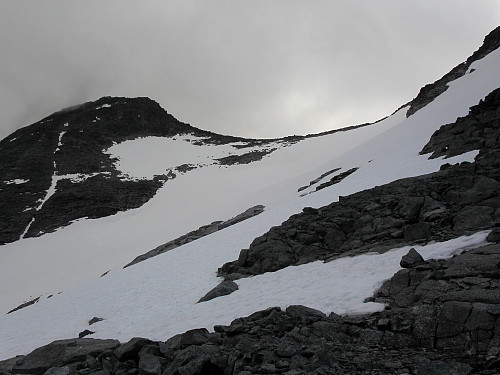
56 170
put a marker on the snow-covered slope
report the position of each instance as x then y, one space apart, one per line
157 298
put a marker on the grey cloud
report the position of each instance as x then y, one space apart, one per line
251 68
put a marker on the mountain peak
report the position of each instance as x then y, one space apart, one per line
71 143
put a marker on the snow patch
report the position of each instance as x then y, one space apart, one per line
16 181
104 106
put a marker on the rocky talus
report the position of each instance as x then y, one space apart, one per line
457 200
442 318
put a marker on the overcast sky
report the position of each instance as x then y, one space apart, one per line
250 68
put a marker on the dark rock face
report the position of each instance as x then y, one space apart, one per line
450 304
457 200
429 92
479 129
245 158
72 142
332 181
61 353
64 154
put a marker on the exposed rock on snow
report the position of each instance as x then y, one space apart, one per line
198 233
429 92
223 289
413 258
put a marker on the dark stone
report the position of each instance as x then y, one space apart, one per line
418 231
411 259
85 333
223 289
62 352
95 320
303 311
25 304
474 218
192 337
130 349
149 365
494 235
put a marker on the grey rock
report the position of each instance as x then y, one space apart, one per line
130 349
303 311
417 231
149 365
411 259
494 235
95 320
85 333
62 352
192 337
223 289
474 218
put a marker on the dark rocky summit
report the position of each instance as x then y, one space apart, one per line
72 142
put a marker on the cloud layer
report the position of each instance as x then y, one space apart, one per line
252 68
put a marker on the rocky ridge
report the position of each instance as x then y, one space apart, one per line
429 92
203 231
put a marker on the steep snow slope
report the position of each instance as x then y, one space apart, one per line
157 298
88 248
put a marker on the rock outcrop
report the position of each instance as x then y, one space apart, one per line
203 231
429 92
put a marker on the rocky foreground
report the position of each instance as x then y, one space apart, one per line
442 317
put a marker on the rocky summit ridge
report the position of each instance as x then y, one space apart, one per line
441 316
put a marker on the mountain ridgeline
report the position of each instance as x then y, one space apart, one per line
64 154
441 316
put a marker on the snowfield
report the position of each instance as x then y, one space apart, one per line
157 298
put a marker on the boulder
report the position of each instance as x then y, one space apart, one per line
411 259
223 289
130 349
60 353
